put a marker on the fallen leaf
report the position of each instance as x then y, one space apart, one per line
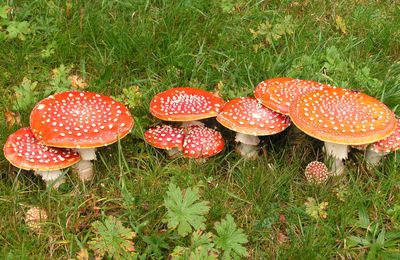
77 82
82 254
12 118
341 25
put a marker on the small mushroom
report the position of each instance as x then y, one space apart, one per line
249 119
166 137
202 142
278 93
341 117
383 147
185 105
24 151
80 120
34 218
316 172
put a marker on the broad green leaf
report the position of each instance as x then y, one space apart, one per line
230 239
363 219
184 210
4 11
17 29
112 238
353 241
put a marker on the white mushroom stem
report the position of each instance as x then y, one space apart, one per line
84 168
87 154
247 145
338 153
373 157
190 123
52 178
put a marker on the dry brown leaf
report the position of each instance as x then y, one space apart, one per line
12 118
83 254
77 82
341 25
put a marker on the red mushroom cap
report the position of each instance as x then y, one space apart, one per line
202 142
316 172
185 104
165 137
247 116
342 116
278 93
75 119
390 143
24 151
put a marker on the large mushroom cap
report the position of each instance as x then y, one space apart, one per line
202 142
247 116
165 137
75 119
342 116
278 93
24 151
390 143
185 104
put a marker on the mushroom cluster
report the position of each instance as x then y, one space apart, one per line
191 138
65 128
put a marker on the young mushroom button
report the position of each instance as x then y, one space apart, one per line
185 104
278 93
249 119
24 151
80 120
341 117
316 172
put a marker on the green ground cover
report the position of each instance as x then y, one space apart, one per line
135 49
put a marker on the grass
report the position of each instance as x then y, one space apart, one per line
159 44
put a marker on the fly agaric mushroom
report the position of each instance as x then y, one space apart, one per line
341 117
379 149
249 119
185 105
166 137
24 151
202 142
278 93
316 172
80 120
35 218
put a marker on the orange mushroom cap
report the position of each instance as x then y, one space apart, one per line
24 151
75 119
342 116
202 142
165 137
185 104
247 116
278 93
390 143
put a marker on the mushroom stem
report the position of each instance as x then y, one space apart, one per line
87 154
338 152
173 152
190 123
373 158
52 178
84 169
247 145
